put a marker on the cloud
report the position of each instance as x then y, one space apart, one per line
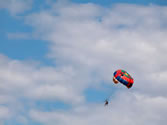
124 110
88 43
24 84
19 35
16 6
98 40
4 112
43 83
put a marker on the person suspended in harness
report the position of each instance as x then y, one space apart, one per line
106 103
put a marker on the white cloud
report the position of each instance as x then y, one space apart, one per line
16 6
23 84
19 35
4 112
100 40
125 109
131 37
88 43
43 83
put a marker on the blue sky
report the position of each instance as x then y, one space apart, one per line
57 60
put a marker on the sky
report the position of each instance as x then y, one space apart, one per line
57 59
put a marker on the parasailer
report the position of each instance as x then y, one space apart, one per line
123 77
106 102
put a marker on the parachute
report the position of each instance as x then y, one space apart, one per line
123 77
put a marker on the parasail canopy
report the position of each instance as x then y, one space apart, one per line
123 77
